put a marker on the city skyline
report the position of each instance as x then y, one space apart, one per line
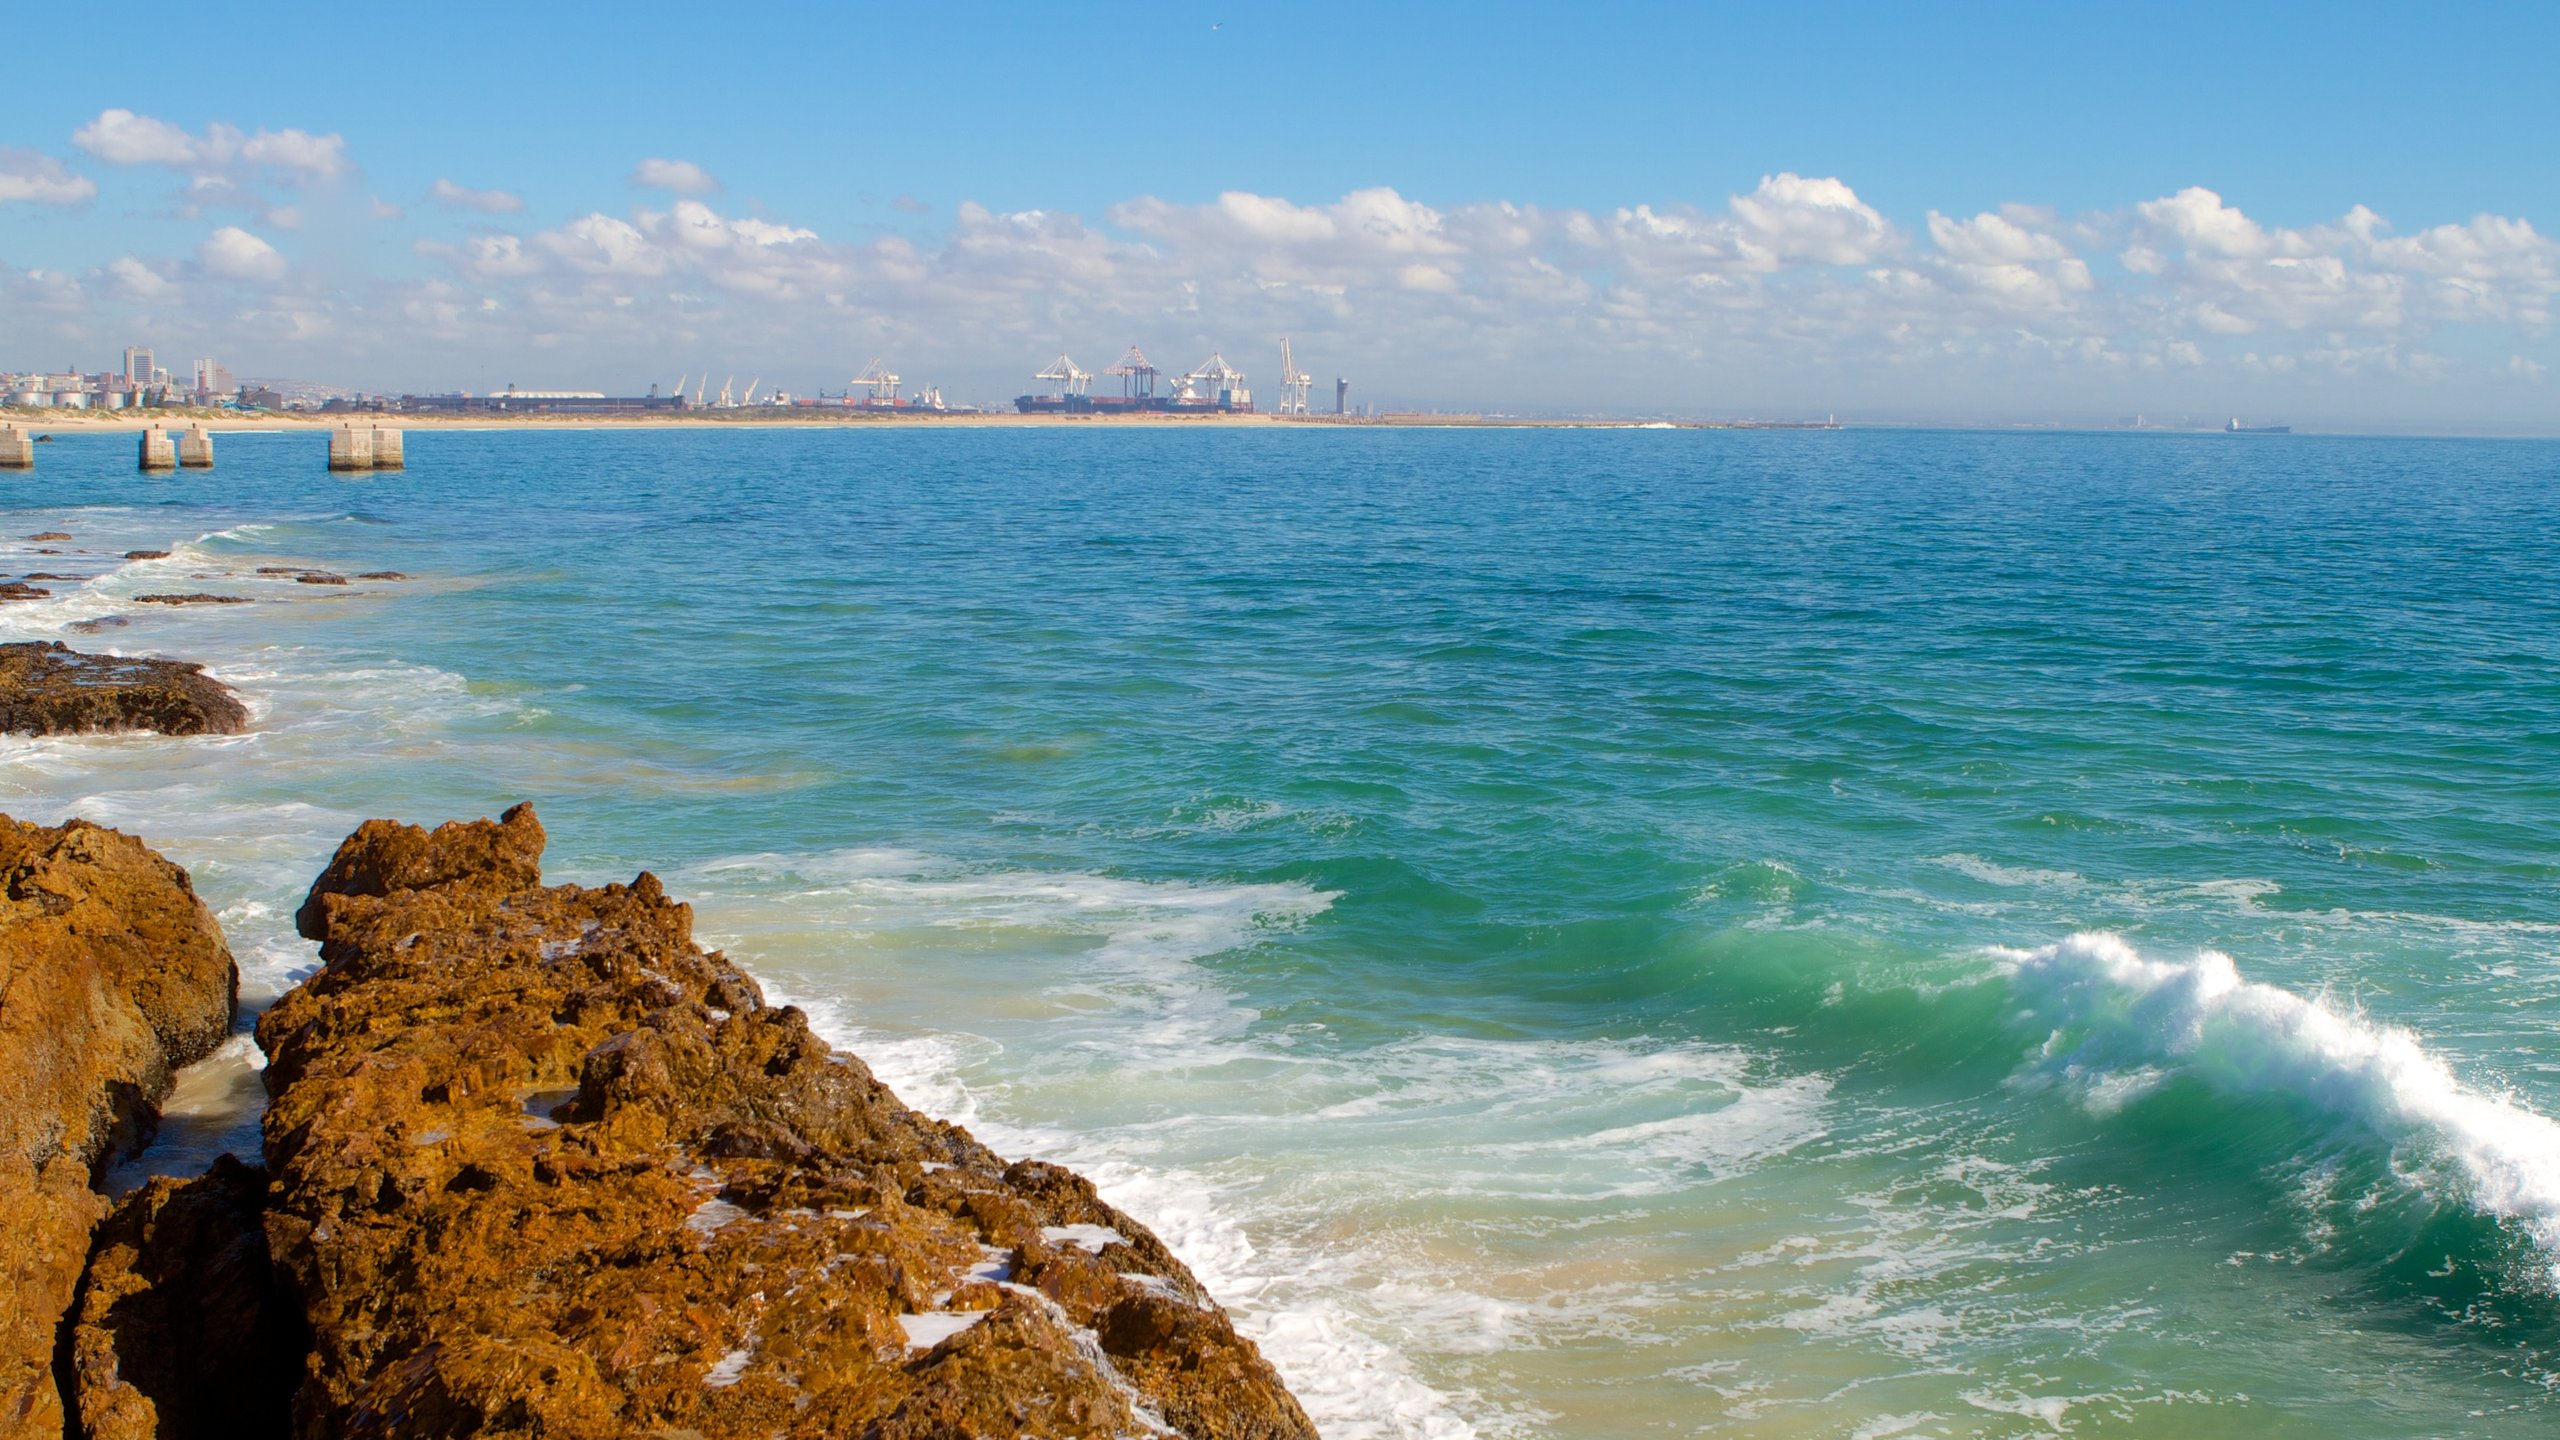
1821 226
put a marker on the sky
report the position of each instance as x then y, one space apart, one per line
2342 214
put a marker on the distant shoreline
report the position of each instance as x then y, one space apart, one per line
73 421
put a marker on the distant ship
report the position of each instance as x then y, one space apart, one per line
2236 428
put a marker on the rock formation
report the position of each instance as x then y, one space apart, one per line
181 1333
112 974
47 688
542 1166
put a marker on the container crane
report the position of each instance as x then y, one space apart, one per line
1137 374
882 384
1293 382
728 396
751 390
1218 383
1066 376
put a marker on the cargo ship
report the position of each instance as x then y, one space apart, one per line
1216 388
2236 428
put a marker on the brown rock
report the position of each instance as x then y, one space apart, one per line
146 554
47 688
21 590
195 597
181 1333
51 535
103 622
319 577
382 575
113 974
49 575
542 1165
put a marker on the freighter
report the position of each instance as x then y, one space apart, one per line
2236 428
1215 388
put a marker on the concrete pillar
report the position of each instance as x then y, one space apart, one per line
158 451
17 449
386 449
350 448
195 449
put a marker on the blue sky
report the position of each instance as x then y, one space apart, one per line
881 161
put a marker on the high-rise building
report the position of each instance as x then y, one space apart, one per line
213 381
138 365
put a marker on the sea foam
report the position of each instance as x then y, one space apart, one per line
2119 1024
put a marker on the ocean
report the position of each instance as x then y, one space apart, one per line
1568 932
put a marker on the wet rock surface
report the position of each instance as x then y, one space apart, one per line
47 688
113 975
543 1166
21 590
146 554
195 597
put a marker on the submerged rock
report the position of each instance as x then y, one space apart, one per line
51 535
382 575
21 590
542 1165
196 597
112 974
48 688
146 554
319 577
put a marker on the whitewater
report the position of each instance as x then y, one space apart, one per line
1595 933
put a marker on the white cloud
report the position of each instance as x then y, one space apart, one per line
234 254
487 202
1797 282
26 175
680 176
122 137
138 280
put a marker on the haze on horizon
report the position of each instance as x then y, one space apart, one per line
2333 216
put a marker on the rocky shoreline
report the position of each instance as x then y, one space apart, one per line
535 1163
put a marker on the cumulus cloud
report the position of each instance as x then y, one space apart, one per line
122 137
1795 280
683 177
487 202
26 175
232 253
140 280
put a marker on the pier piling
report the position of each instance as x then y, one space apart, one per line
386 450
195 449
350 448
17 449
159 452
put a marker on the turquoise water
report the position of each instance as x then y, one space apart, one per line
1569 932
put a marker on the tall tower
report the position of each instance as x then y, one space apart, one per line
1341 396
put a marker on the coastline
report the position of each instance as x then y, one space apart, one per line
126 421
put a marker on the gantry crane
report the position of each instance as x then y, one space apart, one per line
1064 374
882 384
1293 382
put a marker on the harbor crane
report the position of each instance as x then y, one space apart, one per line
1217 382
1066 376
728 395
1137 374
1293 382
678 392
751 390
700 386
882 384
